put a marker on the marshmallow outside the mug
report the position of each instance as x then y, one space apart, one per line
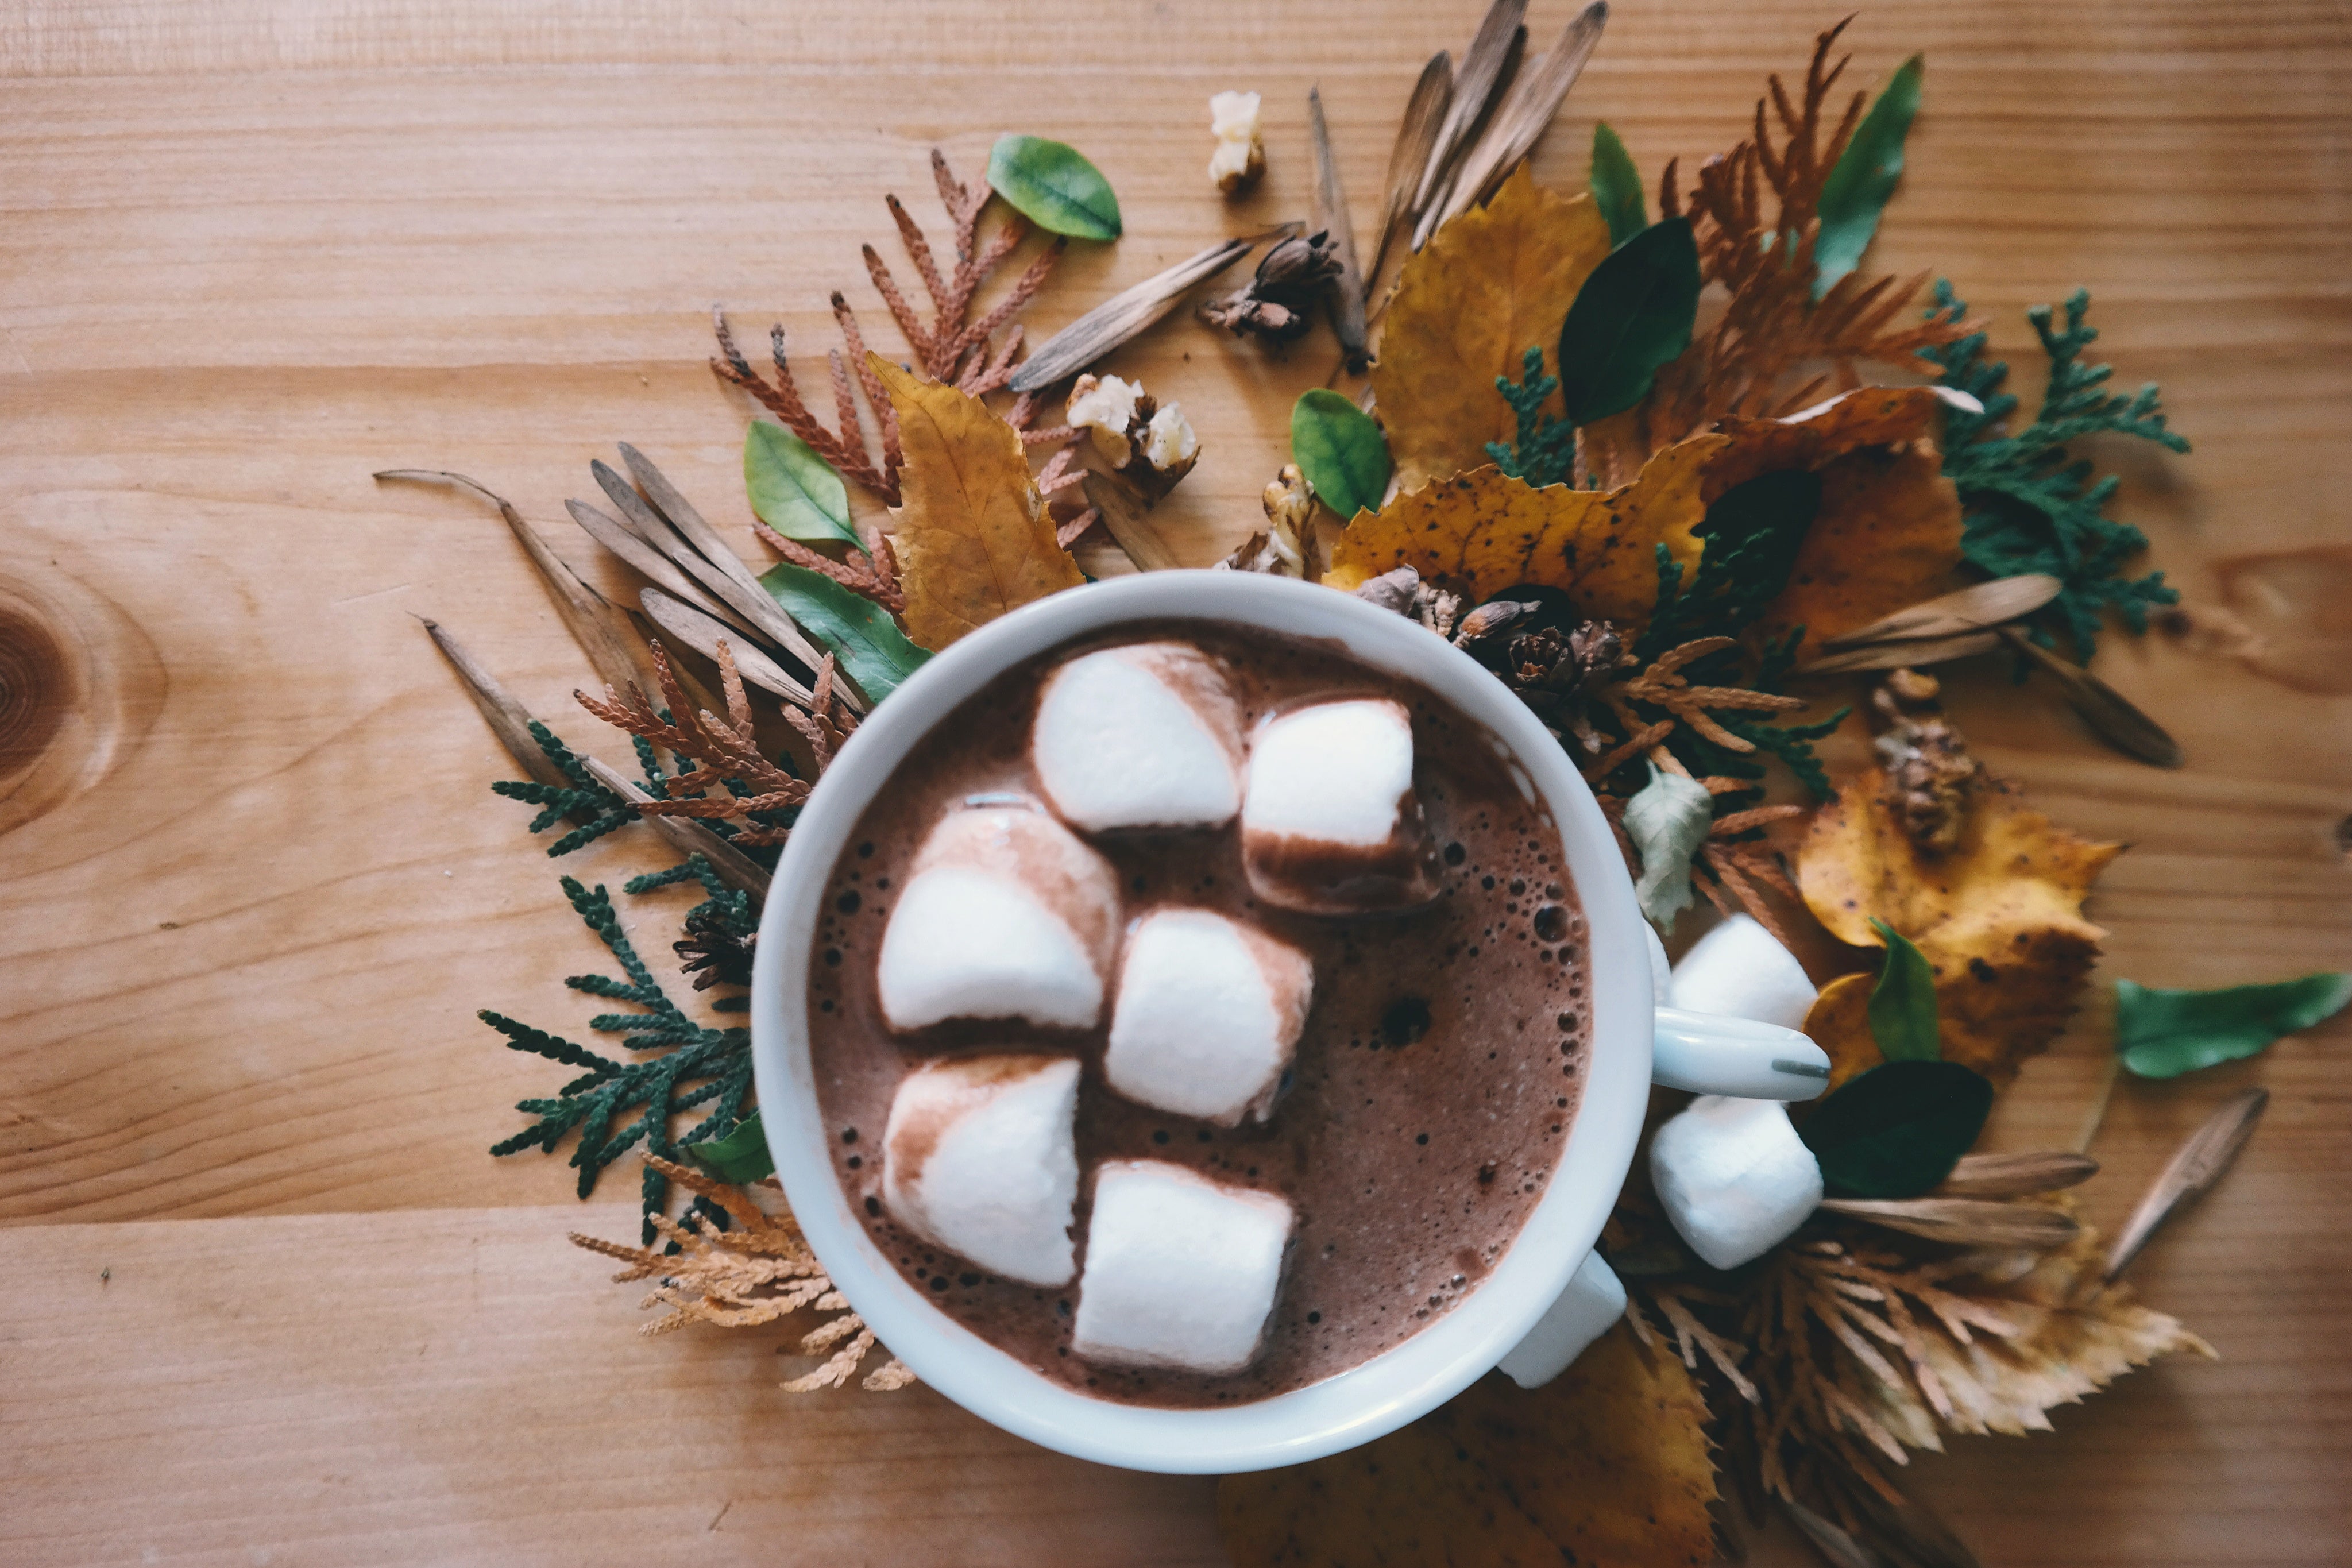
1734 1177
1141 736
1007 915
980 1157
1741 969
1207 1016
1181 1272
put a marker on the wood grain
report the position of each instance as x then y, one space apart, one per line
254 250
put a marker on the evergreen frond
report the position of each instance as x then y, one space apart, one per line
2030 508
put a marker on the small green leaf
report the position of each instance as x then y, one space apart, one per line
741 1157
1903 1003
2163 1033
1617 186
1633 316
1667 821
794 491
1341 451
1053 187
1856 191
1898 1130
860 633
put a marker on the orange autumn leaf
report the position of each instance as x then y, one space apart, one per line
1491 284
970 533
1999 916
1609 1463
1839 1022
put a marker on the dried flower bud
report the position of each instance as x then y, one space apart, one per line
1482 631
1275 305
1240 157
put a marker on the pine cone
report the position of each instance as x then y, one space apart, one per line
1552 669
713 953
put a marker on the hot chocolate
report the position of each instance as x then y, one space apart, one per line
1428 1086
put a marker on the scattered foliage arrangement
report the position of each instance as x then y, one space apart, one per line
1638 470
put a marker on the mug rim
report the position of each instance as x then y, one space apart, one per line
1376 1395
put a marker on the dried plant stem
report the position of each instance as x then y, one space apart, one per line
593 620
508 719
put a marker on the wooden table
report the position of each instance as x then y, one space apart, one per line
269 1301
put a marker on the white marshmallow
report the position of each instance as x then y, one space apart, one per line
1741 969
1180 1271
1207 1016
1007 914
1141 736
1734 1177
1329 819
1587 1309
981 1157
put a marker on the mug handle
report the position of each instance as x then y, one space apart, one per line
1707 1053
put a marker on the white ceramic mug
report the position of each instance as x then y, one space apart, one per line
1547 1296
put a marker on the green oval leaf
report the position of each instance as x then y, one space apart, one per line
1055 187
1633 316
741 1156
1617 186
858 632
2163 1033
1898 1130
1903 1003
1340 449
1667 820
1856 191
794 491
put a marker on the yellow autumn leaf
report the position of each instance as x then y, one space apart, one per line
1998 917
1492 283
971 534
1489 531
1607 1464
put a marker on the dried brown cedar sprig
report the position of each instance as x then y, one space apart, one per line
1751 362
726 752
757 1270
948 347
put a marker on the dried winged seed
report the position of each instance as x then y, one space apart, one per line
1128 516
1123 316
1479 81
2014 1176
650 564
2193 1169
1902 654
1424 116
2102 707
1956 615
1964 1221
702 634
1330 213
1525 113
748 597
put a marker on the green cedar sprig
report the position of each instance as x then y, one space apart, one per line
594 809
1545 452
2028 508
699 1066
